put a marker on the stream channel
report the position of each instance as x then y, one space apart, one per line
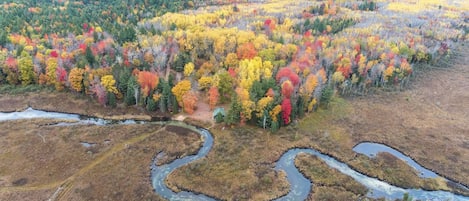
300 187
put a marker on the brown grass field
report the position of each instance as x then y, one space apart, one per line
38 159
428 121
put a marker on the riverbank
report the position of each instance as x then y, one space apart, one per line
67 102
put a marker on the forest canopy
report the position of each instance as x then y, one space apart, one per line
267 63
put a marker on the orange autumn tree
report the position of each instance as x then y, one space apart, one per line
310 85
148 82
246 51
213 96
189 102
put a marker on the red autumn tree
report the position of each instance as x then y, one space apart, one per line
232 72
82 47
99 91
101 46
148 81
269 26
61 74
269 23
307 34
11 63
54 54
286 73
61 78
11 70
286 110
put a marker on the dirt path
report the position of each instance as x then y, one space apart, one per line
203 114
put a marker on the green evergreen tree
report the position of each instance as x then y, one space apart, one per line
132 89
274 127
301 107
111 99
151 104
89 56
3 38
225 87
234 113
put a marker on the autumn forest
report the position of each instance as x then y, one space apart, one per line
266 78
270 65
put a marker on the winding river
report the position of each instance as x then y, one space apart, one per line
299 186
377 188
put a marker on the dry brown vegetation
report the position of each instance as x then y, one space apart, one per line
328 184
117 167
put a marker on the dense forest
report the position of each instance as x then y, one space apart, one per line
267 64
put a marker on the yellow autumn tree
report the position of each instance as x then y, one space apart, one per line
310 84
180 90
311 105
247 105
51 70
249 71
188 69
262 104
205 82
109 83
274 113
148 57
25 65
76 79
231 60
